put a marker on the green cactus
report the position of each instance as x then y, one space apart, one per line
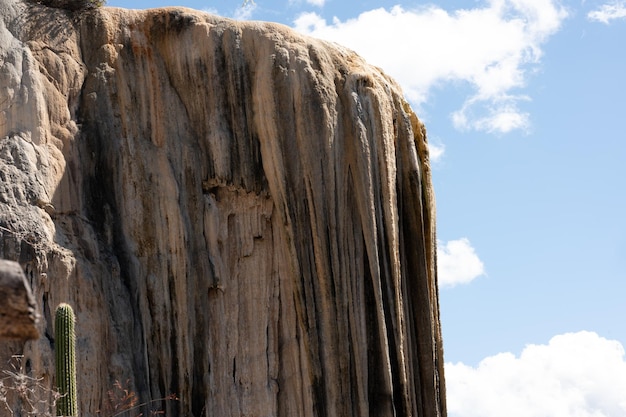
65 346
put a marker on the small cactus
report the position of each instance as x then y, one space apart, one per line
65 347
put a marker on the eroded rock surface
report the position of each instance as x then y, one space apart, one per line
18 316
239 214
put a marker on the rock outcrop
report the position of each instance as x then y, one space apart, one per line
238 214
18 316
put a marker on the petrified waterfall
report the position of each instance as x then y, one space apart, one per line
238 214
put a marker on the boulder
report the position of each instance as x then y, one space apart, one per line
18 315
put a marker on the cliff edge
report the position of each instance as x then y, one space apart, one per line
239 214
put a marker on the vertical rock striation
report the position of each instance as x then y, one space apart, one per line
239 214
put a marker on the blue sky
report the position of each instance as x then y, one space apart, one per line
524 102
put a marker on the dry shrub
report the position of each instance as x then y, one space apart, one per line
29 394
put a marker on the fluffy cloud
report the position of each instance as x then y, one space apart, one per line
436 151
245 12
318 3
211 10
492 48
574 375
457 263
608 12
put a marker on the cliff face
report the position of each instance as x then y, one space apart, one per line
239 214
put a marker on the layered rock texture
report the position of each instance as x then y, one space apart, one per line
239 214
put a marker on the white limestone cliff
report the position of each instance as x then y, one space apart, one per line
239 214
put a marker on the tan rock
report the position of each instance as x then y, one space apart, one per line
18 314
239 214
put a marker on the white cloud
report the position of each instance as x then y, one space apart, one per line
574 375
501 118
457 263
436 151
492 49
318 3
210 10
608 12
245 12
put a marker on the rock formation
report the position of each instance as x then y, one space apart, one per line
18 317
238 214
